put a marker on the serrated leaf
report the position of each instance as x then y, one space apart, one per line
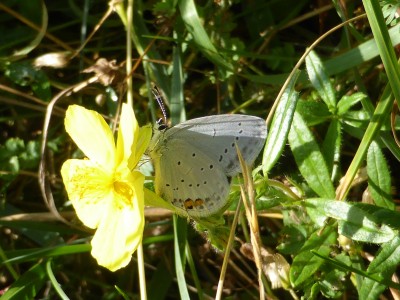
313 112
379 181
309 158
382 215
315 210
280 126
319 79
331 146
346 102
358 119
387 259
353 222
305 264
370 289
369 232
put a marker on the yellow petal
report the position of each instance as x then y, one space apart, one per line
92 135
89 188
127 133
142 144
120 232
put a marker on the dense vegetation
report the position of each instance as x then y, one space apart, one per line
323 221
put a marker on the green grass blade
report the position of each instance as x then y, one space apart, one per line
177 108
373 277
195 27
19 256
54 281
180 230
380 116
386 51
139 33
28 285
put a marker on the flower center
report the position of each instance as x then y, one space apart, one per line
125 192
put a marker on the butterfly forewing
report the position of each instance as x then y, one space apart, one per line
217 135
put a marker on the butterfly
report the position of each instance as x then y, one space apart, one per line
195 160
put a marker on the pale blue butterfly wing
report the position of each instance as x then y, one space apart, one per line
189 180
194 159
216 137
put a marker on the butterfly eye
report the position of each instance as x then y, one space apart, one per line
161 125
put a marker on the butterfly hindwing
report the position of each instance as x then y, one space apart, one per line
189 179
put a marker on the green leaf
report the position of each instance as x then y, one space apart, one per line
379 117
305 264
375 277
24 74
313 112
370 289
384 264
331 147
387 259
28 285
293 238
381 214
320 80
354 222
332 284
346 102
215 230
280 126
379 182
315 211
359 119
309 158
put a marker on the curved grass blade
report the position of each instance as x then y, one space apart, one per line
195 27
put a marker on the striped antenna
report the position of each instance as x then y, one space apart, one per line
159 99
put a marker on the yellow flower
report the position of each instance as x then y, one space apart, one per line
105 189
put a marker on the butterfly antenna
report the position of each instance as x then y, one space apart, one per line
159 99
